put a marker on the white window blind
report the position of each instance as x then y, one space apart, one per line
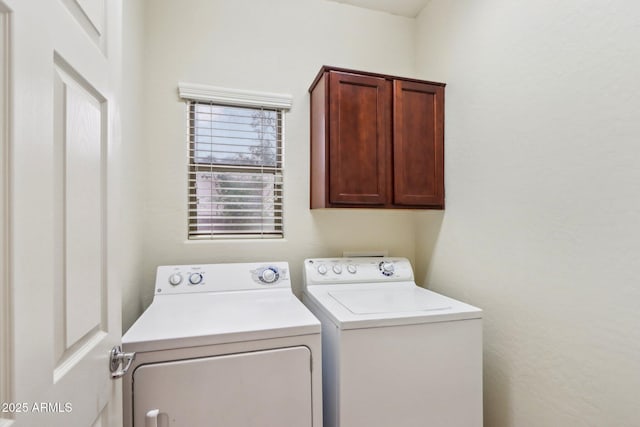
235 163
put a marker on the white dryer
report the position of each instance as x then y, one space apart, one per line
224 345
394 354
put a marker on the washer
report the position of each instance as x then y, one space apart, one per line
394 354
224 345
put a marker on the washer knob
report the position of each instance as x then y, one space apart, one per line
337 268
175 279
351 268
195 278
387 268
322 269
269 275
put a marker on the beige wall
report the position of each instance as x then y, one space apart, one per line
542 226
274 46
132 103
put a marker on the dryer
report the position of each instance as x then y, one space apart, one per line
227 345
394 354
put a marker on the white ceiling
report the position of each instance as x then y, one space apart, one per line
408 8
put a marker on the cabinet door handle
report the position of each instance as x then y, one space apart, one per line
151 419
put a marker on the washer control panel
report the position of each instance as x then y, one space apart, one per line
356 270
178 279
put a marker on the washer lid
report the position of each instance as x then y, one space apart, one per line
372 305
388 300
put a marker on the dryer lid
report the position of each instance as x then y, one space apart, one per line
191 320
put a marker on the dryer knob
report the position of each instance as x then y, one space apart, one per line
387 268
195 278
351 268
175 279
269 275
322 269
337 268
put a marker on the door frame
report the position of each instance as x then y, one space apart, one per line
6 313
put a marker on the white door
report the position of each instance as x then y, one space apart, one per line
258 389
60 306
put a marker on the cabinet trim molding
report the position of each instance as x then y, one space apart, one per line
326 68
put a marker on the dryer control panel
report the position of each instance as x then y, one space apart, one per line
327 271
180 279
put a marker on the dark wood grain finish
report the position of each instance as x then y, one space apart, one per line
359 130
418 144
377 141
319 163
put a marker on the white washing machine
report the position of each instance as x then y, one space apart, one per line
393 353
224 345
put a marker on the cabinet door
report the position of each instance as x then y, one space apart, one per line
418 150
359 137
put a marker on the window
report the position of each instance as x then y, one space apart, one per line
235 169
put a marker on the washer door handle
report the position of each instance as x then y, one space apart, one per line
151 419
119 362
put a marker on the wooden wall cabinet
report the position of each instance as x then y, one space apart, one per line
376 141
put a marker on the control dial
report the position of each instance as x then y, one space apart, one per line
195 278
322 269
387 268
269 275
175 279
351 268
337 268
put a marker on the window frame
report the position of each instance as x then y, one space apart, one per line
192 95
